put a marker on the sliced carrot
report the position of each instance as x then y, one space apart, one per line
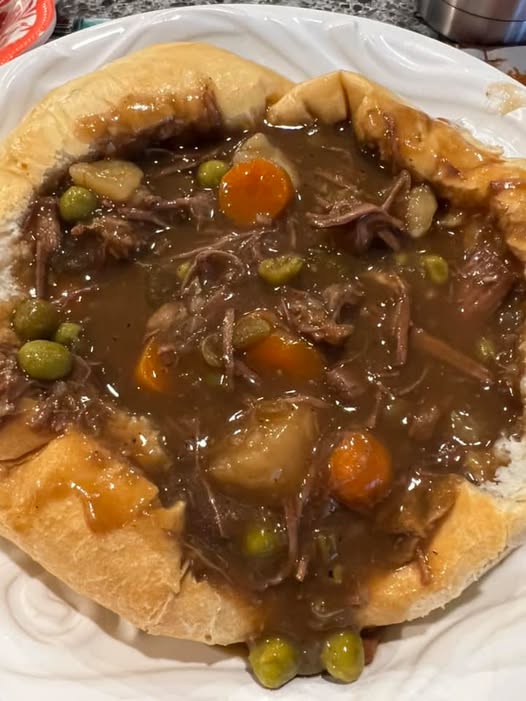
360 471
253 189
150 373
291 356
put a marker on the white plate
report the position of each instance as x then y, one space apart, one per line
55 645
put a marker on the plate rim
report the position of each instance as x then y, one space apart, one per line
40 31
247 9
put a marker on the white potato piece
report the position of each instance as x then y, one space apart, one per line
114 179
259 146
421 208
270 454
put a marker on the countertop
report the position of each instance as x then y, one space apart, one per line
400 12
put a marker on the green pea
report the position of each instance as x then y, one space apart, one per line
210 173
35 318
77 203
249 330
45 360
281 269
486 349
274 661
182 270
68 334
436 268
343 656
261 540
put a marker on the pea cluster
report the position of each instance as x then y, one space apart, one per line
46 353
275 660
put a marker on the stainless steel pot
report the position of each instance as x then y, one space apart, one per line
477 21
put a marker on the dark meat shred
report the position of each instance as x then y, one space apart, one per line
228 348
200 206
13 382
48 236
320 319
232 267
442 351
119 238
401 318
169 316
346 382
482 283
70 402
368 221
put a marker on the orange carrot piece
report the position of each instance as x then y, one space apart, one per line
360 470
293 357
253 189
150 373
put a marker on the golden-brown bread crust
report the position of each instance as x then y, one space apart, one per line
136 569
183 84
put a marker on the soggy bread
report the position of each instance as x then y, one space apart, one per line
134 565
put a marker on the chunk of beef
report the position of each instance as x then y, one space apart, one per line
482 283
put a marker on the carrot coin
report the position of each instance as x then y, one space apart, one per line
254 189
291 356
360 470
150 373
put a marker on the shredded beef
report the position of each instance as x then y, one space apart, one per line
120 239
367 221
13 382
69 402
320 319
482 283
200 206
442 351
346 382
205 265
169 316
401 317
227 331
46 229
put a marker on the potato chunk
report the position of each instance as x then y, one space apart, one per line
259 146
114 179
269 456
